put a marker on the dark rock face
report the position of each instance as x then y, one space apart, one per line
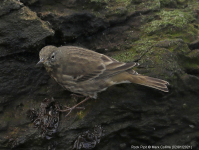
21 29
161 35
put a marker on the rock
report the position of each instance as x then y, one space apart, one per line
67 26
29 2
163 40
9 5
21 30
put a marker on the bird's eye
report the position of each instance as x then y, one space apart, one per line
53 56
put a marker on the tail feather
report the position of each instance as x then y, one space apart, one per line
150 82
131 77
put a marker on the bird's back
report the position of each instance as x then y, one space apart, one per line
77 61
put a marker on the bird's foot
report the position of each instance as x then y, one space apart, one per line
74 107
70 109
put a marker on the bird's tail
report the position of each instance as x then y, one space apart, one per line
149 81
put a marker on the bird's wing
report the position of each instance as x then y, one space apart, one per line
83 64
114 67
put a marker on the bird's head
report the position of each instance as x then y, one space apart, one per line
47 56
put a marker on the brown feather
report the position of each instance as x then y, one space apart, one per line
116 68
150 82
139 79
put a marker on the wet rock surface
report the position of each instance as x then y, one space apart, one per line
88 139
47 119
161 35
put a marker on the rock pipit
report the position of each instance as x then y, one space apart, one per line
86 72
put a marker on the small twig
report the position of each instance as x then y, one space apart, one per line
143 54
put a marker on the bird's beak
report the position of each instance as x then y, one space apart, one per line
41 61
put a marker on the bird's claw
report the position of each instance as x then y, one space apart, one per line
74 107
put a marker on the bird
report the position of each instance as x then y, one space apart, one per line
86 72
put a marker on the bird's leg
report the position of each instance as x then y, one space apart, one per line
74 107
75 96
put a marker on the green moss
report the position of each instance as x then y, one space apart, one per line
181 1
176 46
174 3
111 8
175 19
117 7
190 65
150 5
165 3
126 56
147 18
100 1
179 48
194 54
161 63
191 60
192 5
113 2
188 34
81 114
137 49
126 2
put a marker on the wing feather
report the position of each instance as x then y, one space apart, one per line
114 67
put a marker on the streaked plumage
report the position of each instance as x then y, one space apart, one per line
86 72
